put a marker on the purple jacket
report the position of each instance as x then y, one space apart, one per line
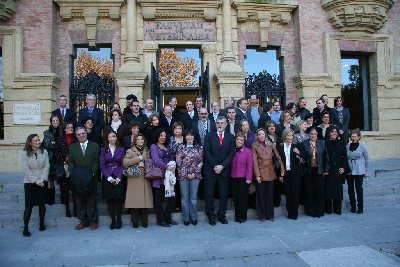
242 164
160 158
250 140
112 165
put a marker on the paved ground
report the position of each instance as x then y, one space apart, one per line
370 239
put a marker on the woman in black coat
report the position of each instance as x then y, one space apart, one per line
341 118
335 167
292 156
49 143
314 181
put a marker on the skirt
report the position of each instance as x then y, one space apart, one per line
35 195
112 191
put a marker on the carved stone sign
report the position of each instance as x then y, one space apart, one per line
179 31
27 113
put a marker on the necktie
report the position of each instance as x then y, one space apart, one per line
83 149
204 128
62 113
220 138
90 110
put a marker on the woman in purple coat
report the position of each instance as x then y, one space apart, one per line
241 174
114 186
161 154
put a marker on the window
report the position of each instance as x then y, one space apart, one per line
264 75
258 60
179 67
355 91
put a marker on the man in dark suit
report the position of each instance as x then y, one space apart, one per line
265 116
203 126
199 103
176 113
233 124
167 120
84 155
189 117
215 112
255 110
219 148
136 116
91 111
65 114
243 114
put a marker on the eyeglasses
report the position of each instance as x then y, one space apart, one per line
203 113
79 134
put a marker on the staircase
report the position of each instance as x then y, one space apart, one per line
381 188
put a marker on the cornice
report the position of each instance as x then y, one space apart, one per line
365 16
90 11
172 9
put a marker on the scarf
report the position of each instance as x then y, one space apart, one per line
353 146
115 125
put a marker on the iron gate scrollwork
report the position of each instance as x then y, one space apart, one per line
267 87
205 86
155 88
101 86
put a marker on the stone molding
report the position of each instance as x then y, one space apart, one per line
7 9
90 11
266 14
366 16
172 9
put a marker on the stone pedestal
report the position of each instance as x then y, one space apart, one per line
229 84
130 82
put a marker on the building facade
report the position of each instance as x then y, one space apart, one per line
39 38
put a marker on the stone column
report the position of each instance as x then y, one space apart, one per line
228 60
131 56
230 77
130 77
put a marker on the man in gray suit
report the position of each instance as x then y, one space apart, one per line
203 126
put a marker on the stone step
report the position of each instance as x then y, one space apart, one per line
386 172
104 220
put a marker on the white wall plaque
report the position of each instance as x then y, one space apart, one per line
27 113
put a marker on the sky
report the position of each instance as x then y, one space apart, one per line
346 63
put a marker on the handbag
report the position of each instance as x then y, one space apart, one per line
132 170
277 164
151 171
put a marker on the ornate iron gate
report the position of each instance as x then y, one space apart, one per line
267 87
155 88
92 83
205 86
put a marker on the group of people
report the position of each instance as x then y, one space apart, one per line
242 151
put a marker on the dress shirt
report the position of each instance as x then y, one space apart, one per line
286 149
84 146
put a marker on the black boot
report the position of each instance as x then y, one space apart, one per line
42 212
67 211
111 210
118 209
27 217
51 196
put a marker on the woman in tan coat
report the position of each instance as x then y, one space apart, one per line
139 196
263 153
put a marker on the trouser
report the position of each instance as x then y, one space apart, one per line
210 182
240 193
278 189
265 199
28 213
163 215
189 190
335 203
142 214
292 189
86 207
115 210
356 180
315 200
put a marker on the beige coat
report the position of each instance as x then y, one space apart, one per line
36 170
263 162
138 192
